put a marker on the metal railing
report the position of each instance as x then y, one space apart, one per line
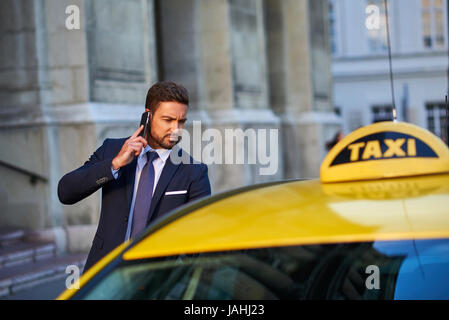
34 177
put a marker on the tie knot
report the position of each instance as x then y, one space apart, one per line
151 156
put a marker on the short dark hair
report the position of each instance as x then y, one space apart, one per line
165 91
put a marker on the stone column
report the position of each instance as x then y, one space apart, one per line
27 133
300 81
235 95
217 50
63 92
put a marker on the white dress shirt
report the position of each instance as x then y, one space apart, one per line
158 165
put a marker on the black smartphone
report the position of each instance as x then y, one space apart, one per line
145 121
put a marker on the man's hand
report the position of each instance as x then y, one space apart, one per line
130 149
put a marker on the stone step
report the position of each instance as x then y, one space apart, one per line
25 252
10 236
14 279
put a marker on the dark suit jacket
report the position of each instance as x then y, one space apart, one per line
117 193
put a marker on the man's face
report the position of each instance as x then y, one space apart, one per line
166 125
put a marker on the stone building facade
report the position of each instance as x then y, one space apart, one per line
260 64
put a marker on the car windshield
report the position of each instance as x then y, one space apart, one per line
383 270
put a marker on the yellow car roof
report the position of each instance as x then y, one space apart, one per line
385 181
308 212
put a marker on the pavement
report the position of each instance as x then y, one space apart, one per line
32 269
46 291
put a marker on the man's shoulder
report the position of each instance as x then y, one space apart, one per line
113 145
180 156
114 142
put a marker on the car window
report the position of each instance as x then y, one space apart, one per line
406 269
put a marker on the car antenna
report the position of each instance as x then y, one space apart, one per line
389 60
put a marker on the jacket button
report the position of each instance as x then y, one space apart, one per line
126 219
102 180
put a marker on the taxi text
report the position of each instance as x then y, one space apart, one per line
373 149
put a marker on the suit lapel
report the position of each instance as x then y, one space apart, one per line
167 173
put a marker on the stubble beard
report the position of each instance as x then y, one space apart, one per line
159 142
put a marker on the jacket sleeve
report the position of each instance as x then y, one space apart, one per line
200 187
82 182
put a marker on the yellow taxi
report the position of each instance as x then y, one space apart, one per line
374 226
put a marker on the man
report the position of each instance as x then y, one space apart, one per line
135 193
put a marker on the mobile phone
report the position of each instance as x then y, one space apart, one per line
145 121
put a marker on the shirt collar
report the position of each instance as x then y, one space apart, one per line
163 153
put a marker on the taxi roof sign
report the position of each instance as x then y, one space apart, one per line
385 150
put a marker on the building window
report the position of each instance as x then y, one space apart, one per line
432 16
436 118
376 26
382 113
337 111
332 27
